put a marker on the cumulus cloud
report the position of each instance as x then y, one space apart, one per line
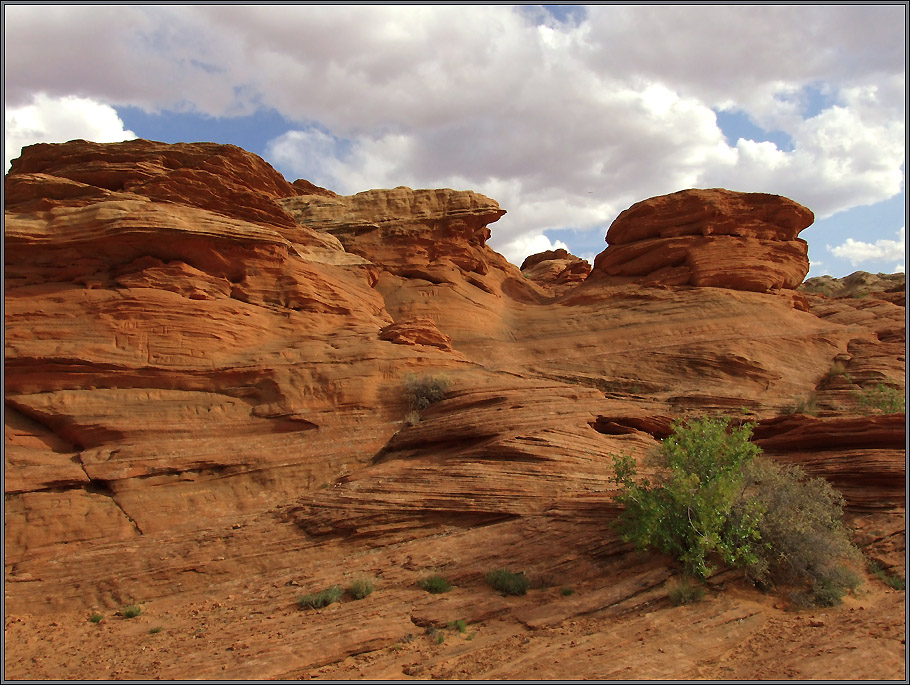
857 251
565 120
57 120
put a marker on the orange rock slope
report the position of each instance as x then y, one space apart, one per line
205 414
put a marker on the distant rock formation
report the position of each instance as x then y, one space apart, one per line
716 238
889 287
556 270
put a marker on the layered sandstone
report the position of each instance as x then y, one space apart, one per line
555 270
205 414
709 238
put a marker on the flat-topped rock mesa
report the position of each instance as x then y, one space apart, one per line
714 238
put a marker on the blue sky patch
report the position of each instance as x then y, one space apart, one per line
735 124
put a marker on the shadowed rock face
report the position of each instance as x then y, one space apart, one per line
716 238
205 405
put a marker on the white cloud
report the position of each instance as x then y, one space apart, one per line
523 246
898 268
57 120
857 251
565 124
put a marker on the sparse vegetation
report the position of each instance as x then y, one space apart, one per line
434 584
460 625
156 629
131 611
807 406
423 391
566 591
508 582
360 588
96 618
891 580
321 599
684 591
717 500
881 398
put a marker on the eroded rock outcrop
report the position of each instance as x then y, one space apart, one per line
205 413
555 270
714 238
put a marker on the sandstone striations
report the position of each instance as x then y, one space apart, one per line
716 238
205 413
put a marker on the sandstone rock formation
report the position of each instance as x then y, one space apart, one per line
555 270
205 414
714 238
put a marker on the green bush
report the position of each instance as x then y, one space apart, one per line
717 500
155 630
321 599
131 611
96 618
434 584
880 398
508 582
566 591
686 514
360 588
423 391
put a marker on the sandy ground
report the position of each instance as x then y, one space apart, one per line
609 628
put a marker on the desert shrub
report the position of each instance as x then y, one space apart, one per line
804 540
155 630
423 391
508 582
717 499
434 584
321 599
880 398
566 591
686 514
96 618
684 591
131 611
460 625
360 588
892 580
807 406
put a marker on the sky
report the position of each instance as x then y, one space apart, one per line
565 115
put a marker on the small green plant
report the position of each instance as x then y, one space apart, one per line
156 629
96 618
566 591
471 635
440 638
321 599
508 582
434 584
880 398
131 611
460 625
891 580
684 591
360 588
426 390
807 406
